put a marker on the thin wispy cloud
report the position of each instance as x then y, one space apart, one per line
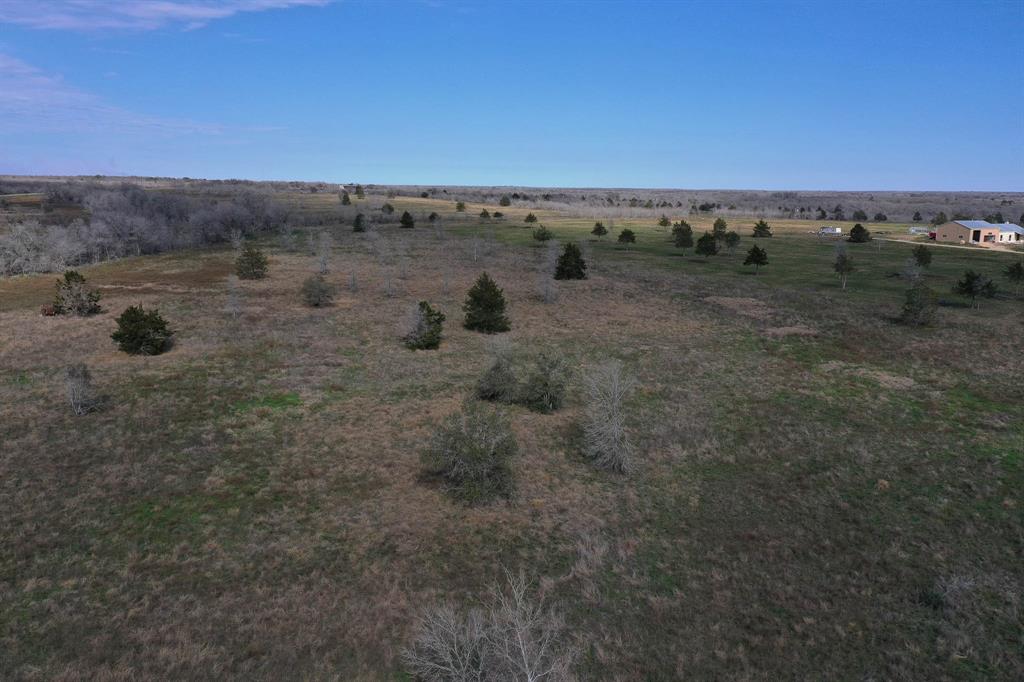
133 15
32 100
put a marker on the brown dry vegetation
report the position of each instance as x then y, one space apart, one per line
250 505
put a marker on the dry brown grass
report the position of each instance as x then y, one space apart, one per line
250 504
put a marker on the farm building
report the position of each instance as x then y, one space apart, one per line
980 232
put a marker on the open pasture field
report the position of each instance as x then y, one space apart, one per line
820 493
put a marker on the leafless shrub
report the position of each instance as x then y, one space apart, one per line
499 382
605 438
233 305
513 637
81 394
236 239
547 289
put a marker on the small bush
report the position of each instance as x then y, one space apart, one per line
387 208
543 234
570 264
543 390
485 214
627 236
664 221
359 224
433 217
922 256
472 452
317 292
142 332
485 307
498 384
605 440
530 218
81 395
505 201
499 215
423 328
599 230
920 306
460 206
974 286
73 298
251 264
407 221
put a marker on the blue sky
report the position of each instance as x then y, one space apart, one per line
803 95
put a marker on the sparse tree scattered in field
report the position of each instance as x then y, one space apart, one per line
142 332
881 217
707 245
543 234
485 214
460 207
407 221
346 200
922 256
627 236
917 217
360 194
485 307
682 235
732 240
513 637
251 264
359 224
756 257
843 265
599 230
81 394
317 292
719 229
762 230
74 297
605 439
387 208
422 327
498 215
974 285
860 215
1015 273
920 306
821 215
530 218
432 217
505 200
664 221
471 451
571 264
859 234
939 218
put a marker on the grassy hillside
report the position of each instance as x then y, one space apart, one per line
820 493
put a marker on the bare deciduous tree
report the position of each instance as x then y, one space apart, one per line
513 636
81 394
605 438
